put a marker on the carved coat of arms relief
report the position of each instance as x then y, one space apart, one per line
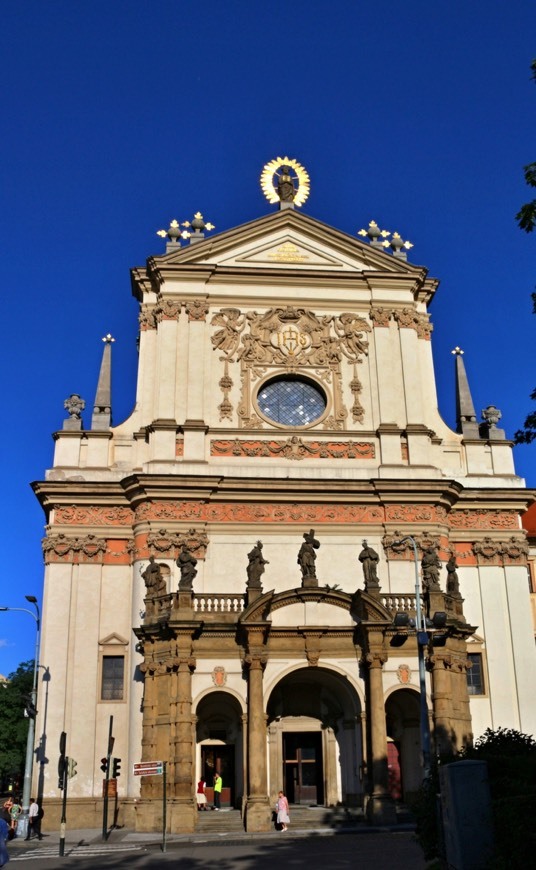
283 341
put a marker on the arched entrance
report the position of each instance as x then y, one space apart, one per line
402 713
315 740
220 748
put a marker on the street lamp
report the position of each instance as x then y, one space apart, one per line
422 642
22 826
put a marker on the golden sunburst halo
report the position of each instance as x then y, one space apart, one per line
267 180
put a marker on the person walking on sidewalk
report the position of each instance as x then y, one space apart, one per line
281 806
4 833
217 790
34 820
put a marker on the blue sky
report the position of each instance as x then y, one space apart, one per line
119 116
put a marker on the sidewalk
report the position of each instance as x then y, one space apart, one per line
86 836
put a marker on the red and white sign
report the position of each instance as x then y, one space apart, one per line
149 768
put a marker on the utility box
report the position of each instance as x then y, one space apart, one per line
466 815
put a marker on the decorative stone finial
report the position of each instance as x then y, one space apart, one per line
174 234
74 405
373 233
199 225
491 416
396 244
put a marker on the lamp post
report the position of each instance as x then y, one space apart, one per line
22 825
422 641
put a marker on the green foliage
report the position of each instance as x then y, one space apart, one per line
526 216
526 219
511 759
13 724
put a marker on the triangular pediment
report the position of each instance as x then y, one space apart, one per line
113 640
286 240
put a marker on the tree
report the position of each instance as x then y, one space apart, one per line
528 432
13 724
526 219
526 216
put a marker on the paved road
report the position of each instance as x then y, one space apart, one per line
363 851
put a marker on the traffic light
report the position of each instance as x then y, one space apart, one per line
116 767
71 767
62 761
104 765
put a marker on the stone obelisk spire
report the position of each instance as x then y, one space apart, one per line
102 410
466 422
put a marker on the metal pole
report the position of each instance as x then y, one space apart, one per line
422 641
63 822
106 781
164 796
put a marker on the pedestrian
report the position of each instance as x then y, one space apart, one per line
201 795
34 820
4 833
218 782
281 806
16 810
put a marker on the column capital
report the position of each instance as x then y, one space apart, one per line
375 659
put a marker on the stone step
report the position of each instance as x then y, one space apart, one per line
302 817
224 821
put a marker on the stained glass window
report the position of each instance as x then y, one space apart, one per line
291 401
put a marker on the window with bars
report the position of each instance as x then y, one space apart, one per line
291 401
113 678
475 675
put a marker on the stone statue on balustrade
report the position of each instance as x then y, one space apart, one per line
154 581
255 568
453 583
186 563
430 565
307 559
369 560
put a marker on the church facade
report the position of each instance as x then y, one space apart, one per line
231 574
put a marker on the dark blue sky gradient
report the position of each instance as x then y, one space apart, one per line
119 116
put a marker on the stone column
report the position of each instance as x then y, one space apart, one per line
380 806
258 803
183 811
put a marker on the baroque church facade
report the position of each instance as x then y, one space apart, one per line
230 573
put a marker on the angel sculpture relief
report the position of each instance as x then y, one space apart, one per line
350 328
227 338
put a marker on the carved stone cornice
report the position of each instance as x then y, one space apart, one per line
163 541
490 551
77 515
167 309
484 519
196 309
66 548
147 317
397 552
294 448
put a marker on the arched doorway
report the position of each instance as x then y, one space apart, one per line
402 713
220 748
315 740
